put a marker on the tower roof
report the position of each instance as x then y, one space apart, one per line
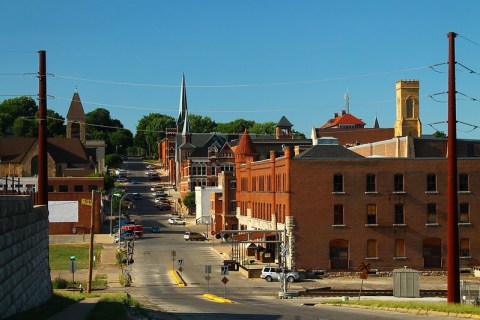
283 122
182 109
76 112
186 124
245 145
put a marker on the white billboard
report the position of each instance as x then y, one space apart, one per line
63 211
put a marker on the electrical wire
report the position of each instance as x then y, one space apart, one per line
468 39
242 85
469 70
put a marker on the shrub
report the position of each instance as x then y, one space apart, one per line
59 283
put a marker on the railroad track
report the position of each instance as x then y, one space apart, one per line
326 292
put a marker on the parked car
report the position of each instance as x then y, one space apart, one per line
134 182
137 196
157 188
124 235
194 236
177 221
275 273
163 207
153 177
155 229
122 180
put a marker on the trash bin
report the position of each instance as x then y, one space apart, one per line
406 283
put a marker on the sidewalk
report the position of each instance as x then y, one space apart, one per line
77 311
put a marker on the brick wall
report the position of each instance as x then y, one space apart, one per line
24 269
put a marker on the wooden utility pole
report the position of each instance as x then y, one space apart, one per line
453 278
90 253
42 131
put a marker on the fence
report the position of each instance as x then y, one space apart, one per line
469 293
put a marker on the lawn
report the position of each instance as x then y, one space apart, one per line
59 256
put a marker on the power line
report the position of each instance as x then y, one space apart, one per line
459 35
245 85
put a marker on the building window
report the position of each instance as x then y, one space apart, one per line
463 182
233 206
464 248
431 213
50 188
399 248
470 150
78 188
338 214
370 187
92 187
233 184
464 215
212 170
372 248
371 213
338 183
399 214
62 188
398 182
431 182
409 103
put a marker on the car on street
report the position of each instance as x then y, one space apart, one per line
134 181
177 221
155 229
194 236
137 196
275 273
163 207
125 235
159 194
122 180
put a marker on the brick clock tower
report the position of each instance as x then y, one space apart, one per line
408 109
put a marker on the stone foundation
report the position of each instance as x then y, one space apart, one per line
24 269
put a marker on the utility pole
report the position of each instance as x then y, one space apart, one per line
90 252
42 131
453 280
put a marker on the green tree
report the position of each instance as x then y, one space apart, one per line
263 128
151 129
236 126
439 134
298 135
120 140
189 201
14 108
101 126
199 124
108 181
113 160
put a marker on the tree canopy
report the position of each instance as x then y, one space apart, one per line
151 129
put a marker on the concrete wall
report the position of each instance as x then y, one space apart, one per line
24 269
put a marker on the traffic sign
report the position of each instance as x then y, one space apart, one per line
180 262
224 280
208 269
224 270
365 266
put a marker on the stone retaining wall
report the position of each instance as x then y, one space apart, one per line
24 269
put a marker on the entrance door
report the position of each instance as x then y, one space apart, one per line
338 254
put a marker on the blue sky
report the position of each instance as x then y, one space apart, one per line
256 60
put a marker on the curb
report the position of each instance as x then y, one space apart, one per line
216 298
180 282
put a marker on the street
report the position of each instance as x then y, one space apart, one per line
156 253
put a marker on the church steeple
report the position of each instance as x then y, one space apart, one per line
76 118
183 106
186 135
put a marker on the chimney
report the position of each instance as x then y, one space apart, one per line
335 115
343 112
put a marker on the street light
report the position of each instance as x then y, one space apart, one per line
120 214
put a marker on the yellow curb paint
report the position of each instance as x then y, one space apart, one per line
177 279
216 298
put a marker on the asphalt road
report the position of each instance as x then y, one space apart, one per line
254 299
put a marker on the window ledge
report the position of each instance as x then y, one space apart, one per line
464 224
465 257
464 192
399 192
399 225
369 225
371 192
372 258
432 224
431 192
338 192
339 225
399 258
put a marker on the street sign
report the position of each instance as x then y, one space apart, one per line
180 262
224 280
365 266
224 270
73 267
180 269
208 269
363 275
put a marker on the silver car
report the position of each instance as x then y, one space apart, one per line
275 273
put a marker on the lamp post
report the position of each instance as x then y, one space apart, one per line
120 214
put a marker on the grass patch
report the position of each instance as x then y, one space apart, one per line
113 306
59 256
433 306
58 302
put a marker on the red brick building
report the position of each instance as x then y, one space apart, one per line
341 209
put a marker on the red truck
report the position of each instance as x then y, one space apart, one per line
137 228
